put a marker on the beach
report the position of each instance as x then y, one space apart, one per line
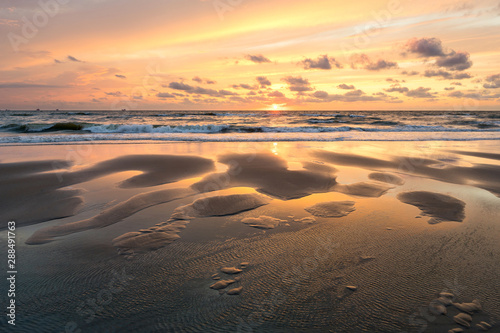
264 166
254 236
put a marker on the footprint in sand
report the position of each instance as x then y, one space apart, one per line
223 284
439 306
463 319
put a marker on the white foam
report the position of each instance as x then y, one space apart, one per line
241 137
139 128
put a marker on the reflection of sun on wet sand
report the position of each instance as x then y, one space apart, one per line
272 209
269 174
265 172
30 194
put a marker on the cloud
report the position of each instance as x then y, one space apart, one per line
459 94
354 93
323 62
363 61
204 91
200 90
397 88
410 73
297 84
432 47
120 76
420 92
259 59
345 86
15 85
180 86
71 58
227 93
456 83
58 61
447 75
263 81
114 93
449 88
425 47
165 95
381 64
456 61
320 94
200 80
239 99
276 93
494 82
244 86
351 96
461 76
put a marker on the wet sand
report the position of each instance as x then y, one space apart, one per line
336 230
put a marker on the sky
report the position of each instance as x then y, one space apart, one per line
250 54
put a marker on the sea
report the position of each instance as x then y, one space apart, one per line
77 126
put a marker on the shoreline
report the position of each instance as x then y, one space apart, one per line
265 140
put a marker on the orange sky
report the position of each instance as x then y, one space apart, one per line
250 54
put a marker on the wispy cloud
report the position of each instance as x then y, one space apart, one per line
259 59
322 62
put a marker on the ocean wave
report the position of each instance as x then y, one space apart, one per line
137 128
34 127
315 127
324 121
385 123
26 139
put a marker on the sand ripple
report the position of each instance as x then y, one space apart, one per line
332 209
109 216
386 178
148 240
364 189
263 222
